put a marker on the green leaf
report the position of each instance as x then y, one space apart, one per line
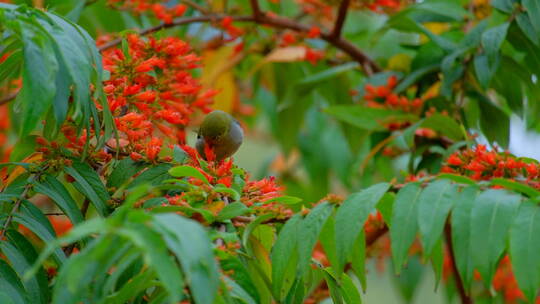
484 70
88 182
415 75
32 218
493 38
51 187
284 256
386 206
533 10
156 256
434 205
249 229
349 291
367 118
526 26
237 292
457 178
437 260
350 219
36 95
308 233
233 193
187 171
492 214
515 186
358 259
503 5
22 255
461 233
499 132
524 248
10 284
328 241
232 210
86 228
123 171
404 223
154 176
326 74
133 287
444 125
191 245
333 285
285 199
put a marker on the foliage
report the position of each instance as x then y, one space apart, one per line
405 114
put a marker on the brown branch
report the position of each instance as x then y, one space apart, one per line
342 15
55 214
256 9
375 235
9 97
84 207
465 299
347 47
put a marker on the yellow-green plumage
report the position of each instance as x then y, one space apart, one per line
221 132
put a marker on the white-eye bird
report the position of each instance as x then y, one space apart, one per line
221 132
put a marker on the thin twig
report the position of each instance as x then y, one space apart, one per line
374 151
276 22
55 213
84 207
465 299
342 15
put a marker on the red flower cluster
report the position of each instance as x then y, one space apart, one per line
379 6
383 97
230 28
255 194
317 8
152 90
505 282
160 11
480 164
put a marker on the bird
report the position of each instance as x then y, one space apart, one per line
221 132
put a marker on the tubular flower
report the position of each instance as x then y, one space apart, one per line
151 91
480 164
260 195
159 10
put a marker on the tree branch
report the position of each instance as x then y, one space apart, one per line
342 15
256 9
347 47
465 299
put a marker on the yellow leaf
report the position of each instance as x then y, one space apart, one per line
217 74
287 54
33 158
433 91
400 62
436 28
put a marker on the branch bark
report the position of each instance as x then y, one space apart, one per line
342 15
256 9
347 47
